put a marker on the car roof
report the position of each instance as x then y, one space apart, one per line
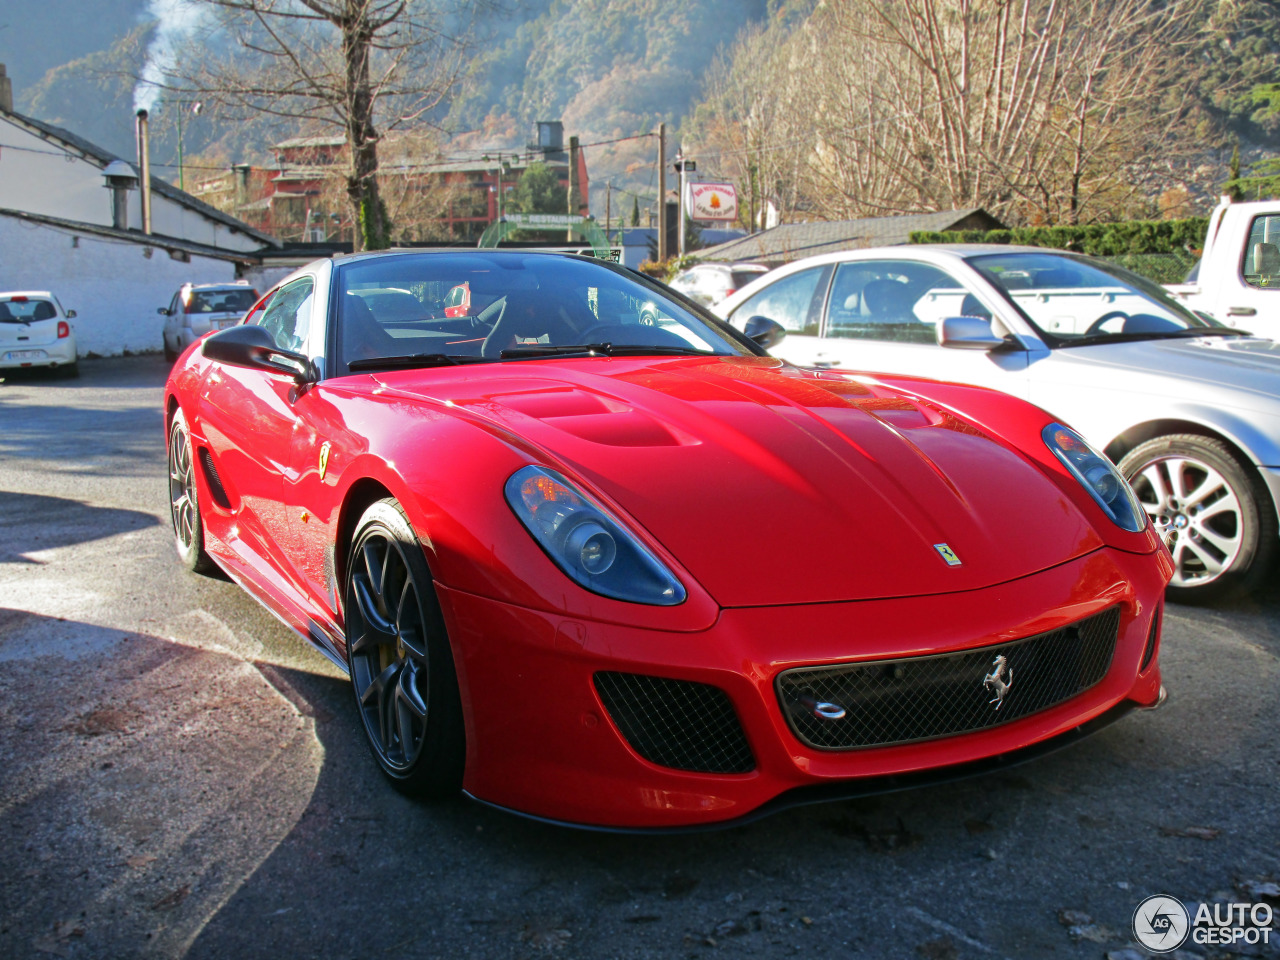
231 285
27 293
455 251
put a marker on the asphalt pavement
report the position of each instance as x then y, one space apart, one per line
180 776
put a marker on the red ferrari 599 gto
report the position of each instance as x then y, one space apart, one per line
591 555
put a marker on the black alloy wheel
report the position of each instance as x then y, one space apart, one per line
398 654
184 500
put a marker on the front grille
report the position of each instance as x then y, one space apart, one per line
676 723
899 701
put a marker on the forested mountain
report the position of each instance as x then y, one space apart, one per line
612 69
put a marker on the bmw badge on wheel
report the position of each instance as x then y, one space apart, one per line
1161 924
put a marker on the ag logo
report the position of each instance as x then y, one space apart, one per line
947 554
1161 924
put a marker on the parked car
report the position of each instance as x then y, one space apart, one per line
709 283
641 574
1237 281
1189 409
198 308
35 331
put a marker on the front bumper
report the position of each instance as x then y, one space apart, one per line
539 740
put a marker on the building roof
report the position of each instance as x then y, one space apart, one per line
165 189
321 141
791 241
170 244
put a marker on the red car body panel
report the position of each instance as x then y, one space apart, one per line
799 510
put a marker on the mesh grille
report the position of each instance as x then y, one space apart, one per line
676 723
213 480
897 701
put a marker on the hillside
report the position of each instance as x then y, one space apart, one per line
610 69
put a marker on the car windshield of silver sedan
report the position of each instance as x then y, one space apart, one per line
1075 301
408 310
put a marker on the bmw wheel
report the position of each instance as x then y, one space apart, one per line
1211 510
184 500
398 654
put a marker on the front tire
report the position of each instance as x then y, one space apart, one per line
1212 511
184 499
399 658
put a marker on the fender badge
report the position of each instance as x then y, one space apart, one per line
324 462
943 549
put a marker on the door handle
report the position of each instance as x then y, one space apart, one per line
1241 312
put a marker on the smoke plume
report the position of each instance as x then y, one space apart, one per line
176 22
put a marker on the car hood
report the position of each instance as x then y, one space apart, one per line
773 486
1250 364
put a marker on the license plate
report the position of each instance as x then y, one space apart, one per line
25 355
223 324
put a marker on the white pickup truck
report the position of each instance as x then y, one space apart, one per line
1237 281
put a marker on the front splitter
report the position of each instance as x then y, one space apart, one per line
864 787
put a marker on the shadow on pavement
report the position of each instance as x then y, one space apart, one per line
31 522
141 782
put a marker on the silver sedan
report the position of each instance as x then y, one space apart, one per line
1189 409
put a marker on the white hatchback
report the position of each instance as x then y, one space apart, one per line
199 308
35 331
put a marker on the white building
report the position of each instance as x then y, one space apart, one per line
64 227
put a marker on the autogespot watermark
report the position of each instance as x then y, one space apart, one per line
1162 924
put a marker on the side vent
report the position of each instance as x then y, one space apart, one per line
1153 641
216 490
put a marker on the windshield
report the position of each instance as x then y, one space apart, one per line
475 307
221 301
1074 300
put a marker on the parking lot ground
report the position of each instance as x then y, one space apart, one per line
182 777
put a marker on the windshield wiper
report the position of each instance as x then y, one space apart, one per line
598 350
1187 334
411 360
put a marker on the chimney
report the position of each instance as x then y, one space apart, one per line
6 91
144 168
241 171
120 179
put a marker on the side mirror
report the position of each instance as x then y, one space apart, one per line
163 311
766 332
968 333
71 314
253 347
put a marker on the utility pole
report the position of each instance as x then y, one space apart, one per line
574 202
662 193
499 187
608 207
685 167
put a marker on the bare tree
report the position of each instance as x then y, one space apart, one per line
746 129
1038 110
359 67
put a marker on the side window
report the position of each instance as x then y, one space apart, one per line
287 316
1262 253
895 300
794 301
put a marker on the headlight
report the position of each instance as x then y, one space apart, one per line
588 544
1099 476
